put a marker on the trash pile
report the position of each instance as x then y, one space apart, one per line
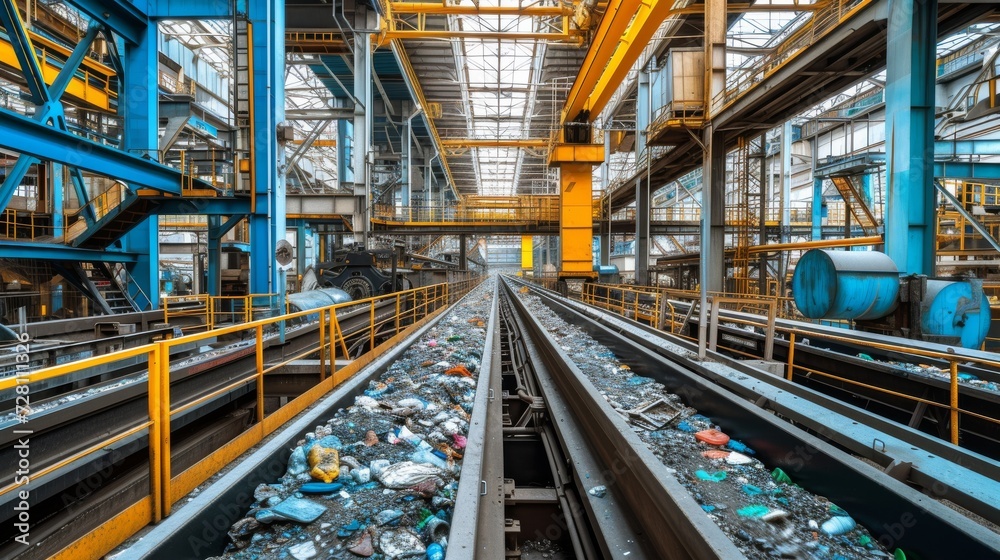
379 478
763 511
964 378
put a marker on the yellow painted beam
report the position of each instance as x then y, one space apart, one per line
802 245
527 252
109 534
647 20
79 89
612 26
569 36
495 143
320 143
576 202
431 8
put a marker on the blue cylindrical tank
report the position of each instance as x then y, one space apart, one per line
314 299
605 269
845 284
955 310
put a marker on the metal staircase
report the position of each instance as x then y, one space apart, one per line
856 205
117 214
100 283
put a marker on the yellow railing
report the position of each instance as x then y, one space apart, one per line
820 23
644 304
411 309
638 302
212 311
15 223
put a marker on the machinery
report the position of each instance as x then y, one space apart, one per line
865 287
358 274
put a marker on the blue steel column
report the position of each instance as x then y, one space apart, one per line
817 195
909 233
642 195
214 264
345 140
267 223
140 110
57 200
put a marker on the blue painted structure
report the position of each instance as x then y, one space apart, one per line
955 311
910 107
267 223
845 285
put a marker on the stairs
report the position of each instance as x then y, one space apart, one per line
856 205
116 222
104 289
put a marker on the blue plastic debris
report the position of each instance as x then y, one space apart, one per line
320 487
435 552
349 529
389 517
739 447
299 509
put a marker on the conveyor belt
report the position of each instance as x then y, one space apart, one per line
657 516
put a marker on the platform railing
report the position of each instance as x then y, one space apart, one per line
409 310
209 312
625 300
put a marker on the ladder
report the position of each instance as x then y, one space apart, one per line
242 98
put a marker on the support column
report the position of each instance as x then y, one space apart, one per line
267 223
463 249
605 241
642 232
713 227
817 196
139 107
404 167
527 255
345 152
214 281
910 73
56 172
576 202
642 111
786 181
712 258
363 109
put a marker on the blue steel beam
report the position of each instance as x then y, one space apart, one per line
25 136
24 51
203 206
966 170
191 9
121 16
909 94
955 148
20 249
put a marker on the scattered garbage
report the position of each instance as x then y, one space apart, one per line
378 479
598 491
765 514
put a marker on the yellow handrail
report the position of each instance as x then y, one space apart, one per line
411 308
